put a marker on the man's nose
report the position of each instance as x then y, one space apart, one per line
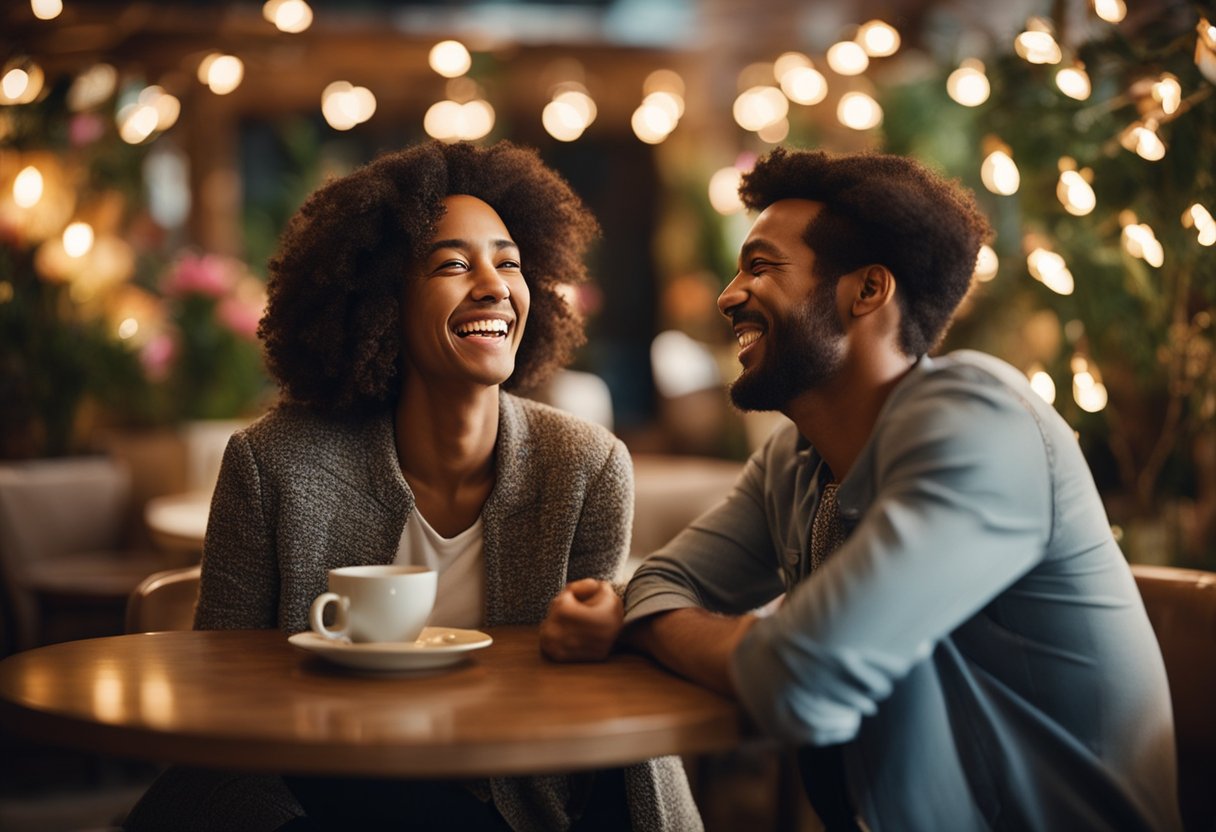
732 296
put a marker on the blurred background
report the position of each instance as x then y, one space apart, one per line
151 153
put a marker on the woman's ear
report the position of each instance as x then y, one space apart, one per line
874 287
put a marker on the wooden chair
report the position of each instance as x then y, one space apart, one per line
65 568
164 601
1181 604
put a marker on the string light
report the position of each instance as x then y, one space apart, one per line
1141 138
858 111
847 58
1087 390
1037 45
290 16
450 58
1073 81
21 81
46 9
27 187
1199 218
78 239
569 113
968 85
92 87
451 121
344 105
1205 49
758 107
664 80
999 173
804 85
1168 93
1041 383
787 62
724 190
878 39
221 73
1112 11
986 264
774 133
1073 189
1049 268
1140 241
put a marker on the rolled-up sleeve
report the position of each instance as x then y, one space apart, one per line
961 507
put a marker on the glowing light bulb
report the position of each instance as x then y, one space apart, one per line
1112 11
1140 241
27 187
78 239
1142 139
858 111
1049 268
787 62
986 264
1199 218
562 121
1042 383
290 16
1168 93
21 81
1000 174
804 85
1037 47
847 58
450 58
663 80
724 190
968 85
1089 393
758 107
1075 194
221 73
878 39
652 122
1073 81
46 9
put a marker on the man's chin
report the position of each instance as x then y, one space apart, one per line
750 392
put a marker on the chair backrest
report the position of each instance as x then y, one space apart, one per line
1181 605
50 508
164 601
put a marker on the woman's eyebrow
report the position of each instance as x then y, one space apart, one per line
499 245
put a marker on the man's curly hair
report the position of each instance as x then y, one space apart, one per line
888 210
332 328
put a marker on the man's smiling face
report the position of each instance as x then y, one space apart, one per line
784 317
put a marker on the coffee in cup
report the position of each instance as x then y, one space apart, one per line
376 603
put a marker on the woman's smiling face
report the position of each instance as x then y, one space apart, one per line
466 303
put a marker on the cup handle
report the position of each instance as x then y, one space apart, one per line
317 613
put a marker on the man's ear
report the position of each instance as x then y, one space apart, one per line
874 288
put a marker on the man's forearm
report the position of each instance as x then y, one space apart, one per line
693 642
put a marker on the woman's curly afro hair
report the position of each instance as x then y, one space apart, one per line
332 329
888 210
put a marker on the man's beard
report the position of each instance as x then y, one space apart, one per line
801 351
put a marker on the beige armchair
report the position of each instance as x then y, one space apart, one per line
65 571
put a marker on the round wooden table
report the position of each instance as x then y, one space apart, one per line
248 700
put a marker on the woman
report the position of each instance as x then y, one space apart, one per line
406 298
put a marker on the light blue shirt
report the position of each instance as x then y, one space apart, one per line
977 642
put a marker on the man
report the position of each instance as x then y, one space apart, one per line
961 644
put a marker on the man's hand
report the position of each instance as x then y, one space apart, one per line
583 622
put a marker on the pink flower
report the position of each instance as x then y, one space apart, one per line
240 316
157 355
85 129
208 274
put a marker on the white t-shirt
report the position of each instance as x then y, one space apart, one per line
458 560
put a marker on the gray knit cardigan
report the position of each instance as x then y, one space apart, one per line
300 494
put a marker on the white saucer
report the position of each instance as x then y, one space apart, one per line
435 647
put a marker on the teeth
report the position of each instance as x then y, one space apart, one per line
749 336
486 327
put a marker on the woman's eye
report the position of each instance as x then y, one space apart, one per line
452 265
509 264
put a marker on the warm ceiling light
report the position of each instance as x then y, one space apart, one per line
450 58
878 39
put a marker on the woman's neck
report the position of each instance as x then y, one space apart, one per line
445 446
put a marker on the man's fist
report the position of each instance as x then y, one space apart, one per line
583 622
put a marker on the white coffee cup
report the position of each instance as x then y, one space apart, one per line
376 603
